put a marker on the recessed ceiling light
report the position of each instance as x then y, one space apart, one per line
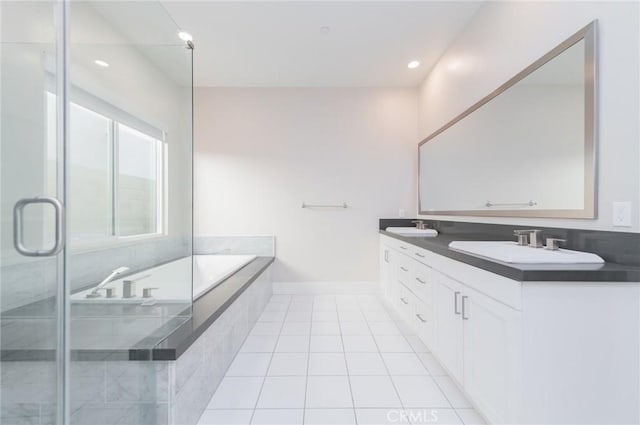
325 29
185 36
101 63
413 64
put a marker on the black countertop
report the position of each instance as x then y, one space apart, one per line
607 272
124 332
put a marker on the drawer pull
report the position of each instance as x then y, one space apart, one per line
404 269
403 247
419 255
455 302
420 318
404 301
421 281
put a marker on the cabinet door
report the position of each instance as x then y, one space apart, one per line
447 296
490 355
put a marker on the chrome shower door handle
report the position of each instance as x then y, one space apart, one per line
18 226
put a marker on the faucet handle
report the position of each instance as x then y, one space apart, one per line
553 244
146 292
523 237
420 224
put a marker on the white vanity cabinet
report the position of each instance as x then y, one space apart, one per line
523 352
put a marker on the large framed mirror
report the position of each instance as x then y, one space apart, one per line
528 149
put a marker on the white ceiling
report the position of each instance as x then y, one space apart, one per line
280 44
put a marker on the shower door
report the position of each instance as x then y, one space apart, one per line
95 175
32 213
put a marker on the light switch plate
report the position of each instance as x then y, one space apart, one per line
622 214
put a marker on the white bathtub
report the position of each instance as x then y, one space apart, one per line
173 279
210 270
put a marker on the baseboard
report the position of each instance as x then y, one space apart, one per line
366 287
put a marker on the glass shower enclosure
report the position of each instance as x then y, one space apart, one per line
95 206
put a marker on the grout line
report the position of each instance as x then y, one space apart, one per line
306 381
269 366
346 363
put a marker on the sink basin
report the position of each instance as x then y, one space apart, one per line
511 252
412 231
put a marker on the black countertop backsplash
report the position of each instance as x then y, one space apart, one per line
620 250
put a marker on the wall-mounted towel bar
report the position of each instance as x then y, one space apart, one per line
490 204
343 205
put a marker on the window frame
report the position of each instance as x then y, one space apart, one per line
117 117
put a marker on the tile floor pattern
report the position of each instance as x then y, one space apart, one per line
335 359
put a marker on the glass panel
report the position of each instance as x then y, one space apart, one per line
30 166
139 182
90 175
128 65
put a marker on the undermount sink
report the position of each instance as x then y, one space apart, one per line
412 231
511 252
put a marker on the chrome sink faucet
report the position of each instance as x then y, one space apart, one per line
420 224
94 293
532 238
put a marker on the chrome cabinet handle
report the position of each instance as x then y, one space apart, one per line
419 255
404 301
421 281
18 227
455 302
464 308
420 318
403 269
386 255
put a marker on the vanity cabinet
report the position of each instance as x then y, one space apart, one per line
522 352
471 334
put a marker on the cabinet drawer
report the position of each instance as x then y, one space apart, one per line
423 322
405 270
406 302
422 283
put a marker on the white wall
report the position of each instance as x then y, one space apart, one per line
505 37
261 152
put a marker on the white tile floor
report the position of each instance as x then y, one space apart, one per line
341 359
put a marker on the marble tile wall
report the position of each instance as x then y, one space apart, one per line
136 392
235 245
35 280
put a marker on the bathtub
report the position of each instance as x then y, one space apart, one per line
173 280
210 270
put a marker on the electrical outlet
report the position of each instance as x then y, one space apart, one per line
622 214
401 213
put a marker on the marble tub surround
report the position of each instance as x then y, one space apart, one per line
119 332
208 308
108 392
621 251
235 245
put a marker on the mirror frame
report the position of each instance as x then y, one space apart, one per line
588 34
